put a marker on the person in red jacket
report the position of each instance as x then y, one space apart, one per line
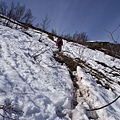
59 43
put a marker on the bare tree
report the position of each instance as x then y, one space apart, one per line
54 32
16 12
111 36
19 13
80 37
45 23
3 8
3 11
28 17
11 11
23 15
68 36
84 37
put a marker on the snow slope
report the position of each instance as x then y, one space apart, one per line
41 87
38 89
93 94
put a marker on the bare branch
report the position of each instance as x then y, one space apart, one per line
45 23
10 111
111 34
105 105
3 8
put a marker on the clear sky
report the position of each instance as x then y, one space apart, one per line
69 16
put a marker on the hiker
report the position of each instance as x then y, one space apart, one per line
59 43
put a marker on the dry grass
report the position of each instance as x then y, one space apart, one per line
73 63
106 47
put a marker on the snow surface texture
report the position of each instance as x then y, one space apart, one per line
41 87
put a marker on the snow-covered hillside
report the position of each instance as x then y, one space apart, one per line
42 88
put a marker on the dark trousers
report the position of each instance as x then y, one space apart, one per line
59 48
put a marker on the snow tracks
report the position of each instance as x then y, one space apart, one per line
80 92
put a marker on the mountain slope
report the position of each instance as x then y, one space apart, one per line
42 88
37 87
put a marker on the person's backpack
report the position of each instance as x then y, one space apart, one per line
59 42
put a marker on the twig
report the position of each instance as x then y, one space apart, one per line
111 34
8 110
104 105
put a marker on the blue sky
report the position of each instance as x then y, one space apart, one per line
69 16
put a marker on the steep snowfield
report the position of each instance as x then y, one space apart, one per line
93 94
41 87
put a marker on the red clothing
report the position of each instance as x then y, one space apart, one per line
59 42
